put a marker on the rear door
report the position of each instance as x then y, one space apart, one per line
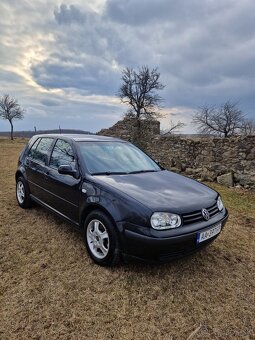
35 164
64 190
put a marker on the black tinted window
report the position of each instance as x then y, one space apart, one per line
40 151
32 150
62 154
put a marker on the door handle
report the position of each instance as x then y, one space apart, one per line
46 175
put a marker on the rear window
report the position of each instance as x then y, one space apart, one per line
31 151
40 149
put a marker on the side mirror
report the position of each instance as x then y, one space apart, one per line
67 170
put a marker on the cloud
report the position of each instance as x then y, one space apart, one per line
180 13
66 16
94 76
66 59
50 102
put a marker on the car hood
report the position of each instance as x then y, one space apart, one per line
162 190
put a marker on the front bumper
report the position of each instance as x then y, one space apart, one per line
163 246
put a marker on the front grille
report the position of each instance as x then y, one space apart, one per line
197 216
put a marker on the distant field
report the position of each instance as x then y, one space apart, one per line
50 289
29 134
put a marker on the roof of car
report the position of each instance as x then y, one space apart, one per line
82 137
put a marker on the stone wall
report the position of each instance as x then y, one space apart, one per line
125 128
231 161
208 158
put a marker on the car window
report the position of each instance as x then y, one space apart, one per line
62 154
32 150
39 153
115 157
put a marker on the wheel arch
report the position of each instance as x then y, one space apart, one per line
92 207
20 173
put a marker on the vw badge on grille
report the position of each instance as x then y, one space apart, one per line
205 214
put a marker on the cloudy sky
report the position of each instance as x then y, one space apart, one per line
63 60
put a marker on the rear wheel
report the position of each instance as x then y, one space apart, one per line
22 193
101 239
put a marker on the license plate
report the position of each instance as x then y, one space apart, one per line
209 233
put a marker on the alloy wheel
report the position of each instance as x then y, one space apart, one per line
20 192
98 239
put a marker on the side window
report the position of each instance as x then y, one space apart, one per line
32 150
41 149
62 154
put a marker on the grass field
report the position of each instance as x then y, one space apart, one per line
50 289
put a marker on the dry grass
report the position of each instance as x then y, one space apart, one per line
50 289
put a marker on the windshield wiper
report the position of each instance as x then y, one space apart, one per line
141 171
109 173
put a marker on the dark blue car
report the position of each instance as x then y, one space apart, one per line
124 203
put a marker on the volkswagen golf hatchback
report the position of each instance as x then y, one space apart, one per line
124 203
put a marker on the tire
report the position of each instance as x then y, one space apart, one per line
22 193
101 239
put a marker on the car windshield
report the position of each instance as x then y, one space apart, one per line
115 158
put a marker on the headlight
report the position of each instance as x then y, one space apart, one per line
162 220
220 204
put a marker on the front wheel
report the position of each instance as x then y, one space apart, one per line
101 239
22 193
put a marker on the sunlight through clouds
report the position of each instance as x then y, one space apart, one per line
72 53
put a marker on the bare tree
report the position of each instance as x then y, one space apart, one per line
227 120
173 128
10 110
248 127
139 90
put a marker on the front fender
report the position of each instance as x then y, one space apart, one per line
120 207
